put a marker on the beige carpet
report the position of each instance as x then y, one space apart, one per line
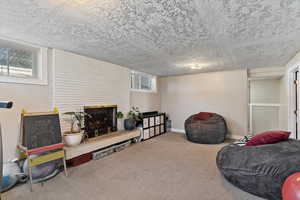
163 168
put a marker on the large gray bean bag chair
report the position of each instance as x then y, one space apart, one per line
210 129
260 170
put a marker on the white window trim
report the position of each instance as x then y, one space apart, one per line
146 91
154 90
42 71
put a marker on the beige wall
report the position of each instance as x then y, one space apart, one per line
32 98
146 101
225 93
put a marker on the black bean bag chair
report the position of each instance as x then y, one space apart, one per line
260 170
206 128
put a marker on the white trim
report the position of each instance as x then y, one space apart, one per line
251 105
228 136
19 42
261 74
291 98
266 73
53 53
154 82
235 137
249 112
265 104
42 73
146 91
177 130
250 131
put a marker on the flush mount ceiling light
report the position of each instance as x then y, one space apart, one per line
96 5
197 65
80 1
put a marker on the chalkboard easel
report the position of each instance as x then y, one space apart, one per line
40 129
40 133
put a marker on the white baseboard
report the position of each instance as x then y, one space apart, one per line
235 137
177 130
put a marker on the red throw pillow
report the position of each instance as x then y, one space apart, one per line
203 116
268 137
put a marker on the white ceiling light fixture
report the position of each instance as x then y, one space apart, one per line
81 1
196 65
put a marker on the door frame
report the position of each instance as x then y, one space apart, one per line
291 101
261 74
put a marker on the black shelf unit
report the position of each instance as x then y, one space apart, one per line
153 124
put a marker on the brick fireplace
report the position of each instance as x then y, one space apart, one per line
101 120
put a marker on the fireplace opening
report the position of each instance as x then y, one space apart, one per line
100 120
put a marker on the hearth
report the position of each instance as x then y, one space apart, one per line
101 120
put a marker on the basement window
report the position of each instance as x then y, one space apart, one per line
22 63
142 82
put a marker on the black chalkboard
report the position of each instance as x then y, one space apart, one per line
41 130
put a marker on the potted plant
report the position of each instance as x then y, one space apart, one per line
133 117
119 116
168 123
75 135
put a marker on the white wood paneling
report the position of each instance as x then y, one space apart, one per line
81 81
263 117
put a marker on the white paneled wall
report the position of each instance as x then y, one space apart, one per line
264 105
265 118
265 91
81 81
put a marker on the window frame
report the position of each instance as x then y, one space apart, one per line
42 66
154 82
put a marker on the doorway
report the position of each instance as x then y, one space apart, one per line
296 89
264 104
294 102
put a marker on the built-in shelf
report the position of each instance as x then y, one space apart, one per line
100 142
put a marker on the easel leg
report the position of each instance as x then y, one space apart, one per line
30 178
65 166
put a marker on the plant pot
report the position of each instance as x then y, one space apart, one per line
73 139
169 125
120 124
75 128
129 124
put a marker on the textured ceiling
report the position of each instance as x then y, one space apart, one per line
162 37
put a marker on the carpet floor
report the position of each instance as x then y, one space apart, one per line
167 167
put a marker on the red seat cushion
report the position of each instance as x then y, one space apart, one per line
268 137
203 115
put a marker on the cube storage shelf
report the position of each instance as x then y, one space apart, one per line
153 124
